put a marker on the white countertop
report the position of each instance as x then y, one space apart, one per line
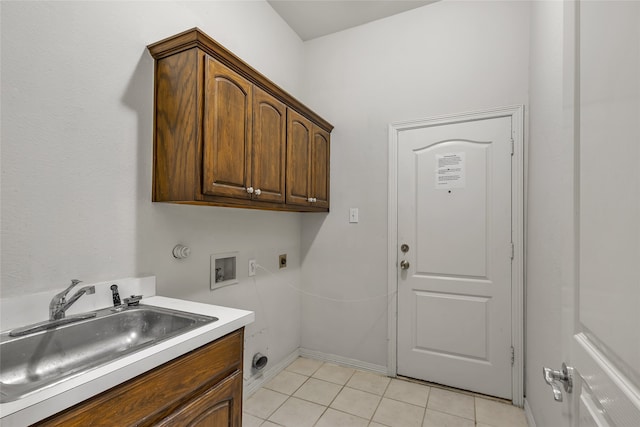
49 401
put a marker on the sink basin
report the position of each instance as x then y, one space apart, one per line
33 362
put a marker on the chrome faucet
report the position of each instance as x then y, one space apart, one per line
59 305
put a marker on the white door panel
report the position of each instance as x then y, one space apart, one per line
605 345
454 213
456 247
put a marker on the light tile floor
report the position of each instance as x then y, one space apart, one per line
312 393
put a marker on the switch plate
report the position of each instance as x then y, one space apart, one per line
252 267
353 215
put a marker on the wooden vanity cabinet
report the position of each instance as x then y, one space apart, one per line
215 407
222 136
201 388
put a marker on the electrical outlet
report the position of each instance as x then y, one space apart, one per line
353 215
252 267
282 261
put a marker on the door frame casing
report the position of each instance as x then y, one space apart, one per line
517 232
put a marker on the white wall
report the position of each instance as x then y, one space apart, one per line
77 117
444 58
76 134
550 237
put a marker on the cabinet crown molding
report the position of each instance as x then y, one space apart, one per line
196 38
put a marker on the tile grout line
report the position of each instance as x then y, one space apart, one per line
326 408
475 410
343 386
289 395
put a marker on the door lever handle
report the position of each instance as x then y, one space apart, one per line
553 378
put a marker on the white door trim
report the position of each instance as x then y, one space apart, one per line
517 272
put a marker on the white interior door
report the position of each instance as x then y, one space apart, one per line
605 326
454 235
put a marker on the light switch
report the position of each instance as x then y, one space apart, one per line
353 215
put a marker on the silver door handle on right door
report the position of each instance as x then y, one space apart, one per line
564 376
404 265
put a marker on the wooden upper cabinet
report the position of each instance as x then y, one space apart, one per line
268 149
298 157
307 163
226 132
225 135
320 143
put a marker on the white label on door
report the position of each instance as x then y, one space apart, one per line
450 170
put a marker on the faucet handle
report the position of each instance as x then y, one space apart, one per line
61 296
74 283
133 301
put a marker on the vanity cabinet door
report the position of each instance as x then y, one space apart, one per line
226 132
221 406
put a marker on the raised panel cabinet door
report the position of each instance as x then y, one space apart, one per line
227 118
268 153
220 406
320 168
298 159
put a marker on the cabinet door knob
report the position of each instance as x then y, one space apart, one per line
310 200
258 192
315 200
250 190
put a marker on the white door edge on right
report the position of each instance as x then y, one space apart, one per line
602 339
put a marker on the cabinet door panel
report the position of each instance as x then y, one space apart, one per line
227 131
298 157
268 147
219 406
320 167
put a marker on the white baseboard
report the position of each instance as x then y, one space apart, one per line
528 415
253 383
344 361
